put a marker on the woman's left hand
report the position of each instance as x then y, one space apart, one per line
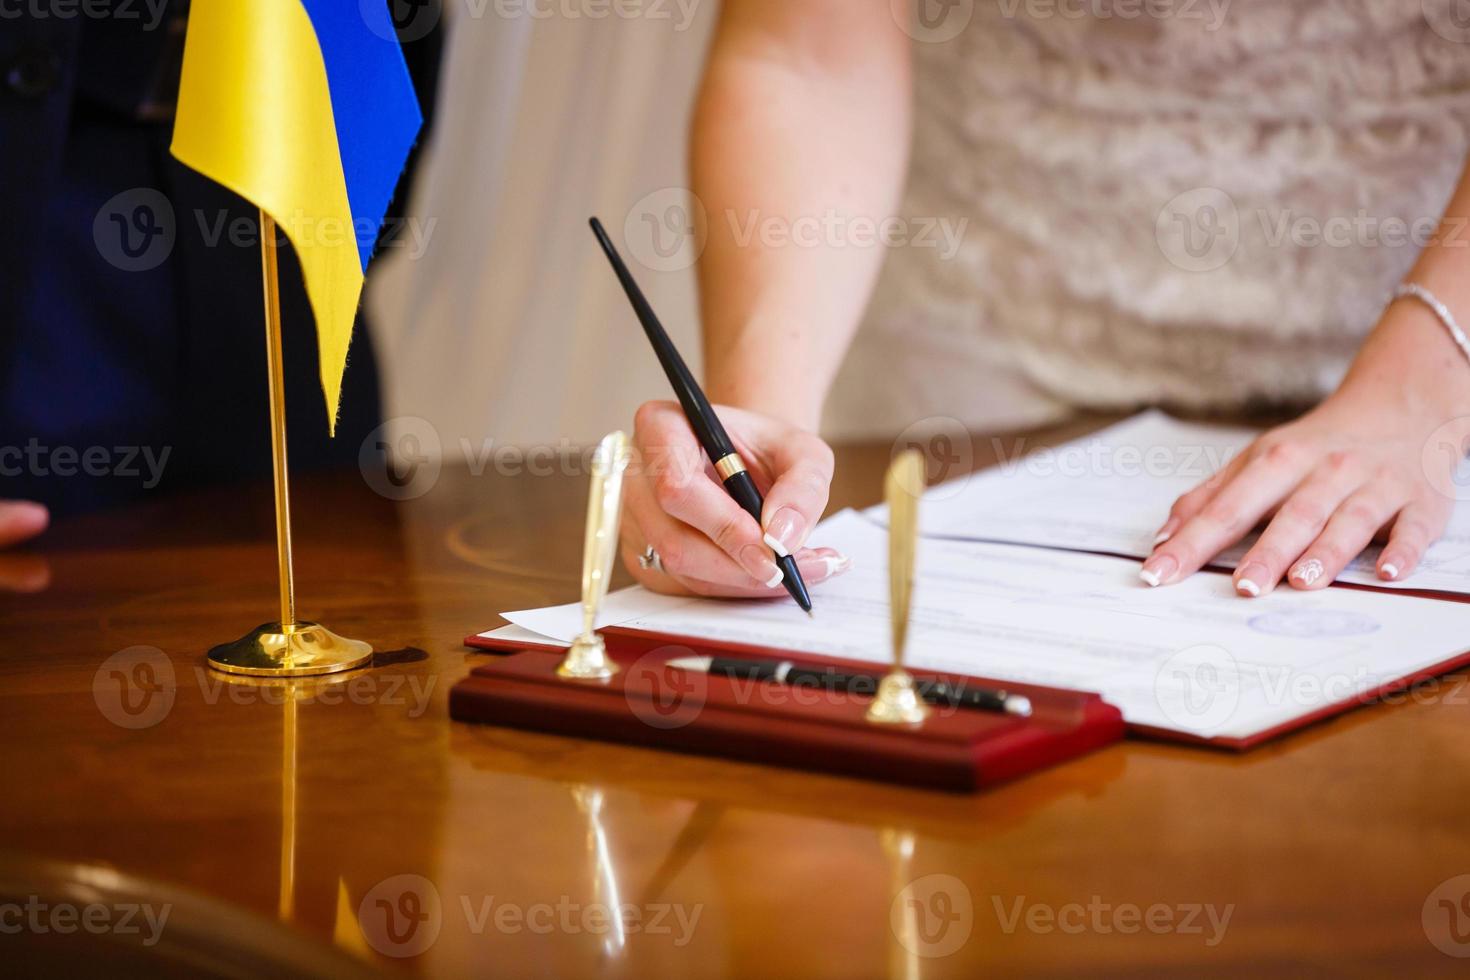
1359 466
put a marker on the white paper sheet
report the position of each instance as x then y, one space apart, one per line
563 623
1110 491
522 637
1192 657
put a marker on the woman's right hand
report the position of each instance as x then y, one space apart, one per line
707 544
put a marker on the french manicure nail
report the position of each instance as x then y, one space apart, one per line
1158 570
1251 575
785 531
758 565
835 565
1389 570
1308 571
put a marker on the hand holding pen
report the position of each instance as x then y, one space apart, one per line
683 531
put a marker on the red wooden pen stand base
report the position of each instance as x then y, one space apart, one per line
648 703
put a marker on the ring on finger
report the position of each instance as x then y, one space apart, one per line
650 560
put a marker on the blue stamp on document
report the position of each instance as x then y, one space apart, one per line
1313 624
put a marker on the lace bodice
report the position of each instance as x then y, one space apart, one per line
1204 209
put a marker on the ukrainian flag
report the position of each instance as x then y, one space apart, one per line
305 108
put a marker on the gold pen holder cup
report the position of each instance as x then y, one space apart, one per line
587 660
898 701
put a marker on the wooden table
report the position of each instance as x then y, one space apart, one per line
1325 849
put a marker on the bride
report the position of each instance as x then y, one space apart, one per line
1216 205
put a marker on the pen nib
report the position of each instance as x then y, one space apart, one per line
809 614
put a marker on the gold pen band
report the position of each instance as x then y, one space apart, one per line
728 466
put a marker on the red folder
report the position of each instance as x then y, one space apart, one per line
1243 742
649 703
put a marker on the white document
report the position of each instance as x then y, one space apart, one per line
563 623
523 637
1192 658
1110 491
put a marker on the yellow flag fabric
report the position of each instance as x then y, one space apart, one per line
304 108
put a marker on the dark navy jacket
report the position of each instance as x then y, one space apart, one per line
131 326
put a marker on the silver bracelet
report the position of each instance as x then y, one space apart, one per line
1440 310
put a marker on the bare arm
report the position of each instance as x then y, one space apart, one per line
802 124
801 129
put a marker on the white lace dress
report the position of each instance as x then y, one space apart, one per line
1204 210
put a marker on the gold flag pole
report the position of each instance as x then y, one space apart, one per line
275 376
287 648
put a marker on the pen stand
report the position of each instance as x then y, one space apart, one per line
650 704
586 660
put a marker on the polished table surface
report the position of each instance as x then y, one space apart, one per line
1330 851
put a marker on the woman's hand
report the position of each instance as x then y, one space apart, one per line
708 545
1358 467
21 520
1376 459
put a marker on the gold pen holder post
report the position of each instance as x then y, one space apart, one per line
587 660
898 701
288 647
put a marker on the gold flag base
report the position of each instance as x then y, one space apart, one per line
271 650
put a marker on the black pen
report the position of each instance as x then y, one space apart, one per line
961 695
701 415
